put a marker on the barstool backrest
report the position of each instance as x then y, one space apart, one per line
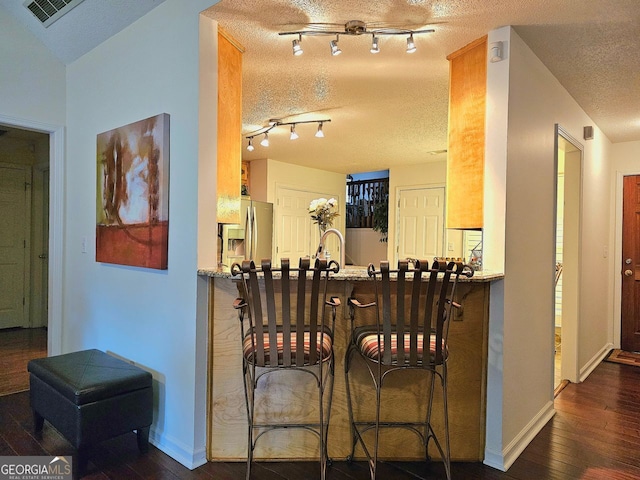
413 308
277 310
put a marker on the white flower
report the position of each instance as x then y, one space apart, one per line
322 211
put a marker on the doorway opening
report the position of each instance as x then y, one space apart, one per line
24 212
569 154
367 216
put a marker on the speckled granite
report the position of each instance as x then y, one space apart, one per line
354 274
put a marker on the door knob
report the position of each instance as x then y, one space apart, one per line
43 256
628 273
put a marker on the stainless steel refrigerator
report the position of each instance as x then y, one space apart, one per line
253 238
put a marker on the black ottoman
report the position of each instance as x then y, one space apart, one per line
89 396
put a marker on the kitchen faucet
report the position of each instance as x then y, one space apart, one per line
337 232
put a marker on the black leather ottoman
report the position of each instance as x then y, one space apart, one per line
89 396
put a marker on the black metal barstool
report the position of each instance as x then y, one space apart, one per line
285 328
412 307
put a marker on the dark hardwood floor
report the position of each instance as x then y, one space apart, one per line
594 435
17 347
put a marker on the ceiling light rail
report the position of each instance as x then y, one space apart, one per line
356 28
277 123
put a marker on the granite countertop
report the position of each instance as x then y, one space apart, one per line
355 273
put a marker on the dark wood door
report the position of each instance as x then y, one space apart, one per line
630 329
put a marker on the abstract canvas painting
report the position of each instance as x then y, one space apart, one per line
132 195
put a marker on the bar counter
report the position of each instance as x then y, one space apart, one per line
227 424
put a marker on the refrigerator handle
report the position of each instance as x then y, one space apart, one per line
254 242
248 235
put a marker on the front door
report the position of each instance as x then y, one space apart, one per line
14 221
630 328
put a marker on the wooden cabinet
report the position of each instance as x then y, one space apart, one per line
229 128
465 158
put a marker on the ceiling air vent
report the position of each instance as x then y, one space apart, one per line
48 11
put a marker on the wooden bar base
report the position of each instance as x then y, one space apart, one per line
227 412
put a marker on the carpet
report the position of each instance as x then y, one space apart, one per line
627 358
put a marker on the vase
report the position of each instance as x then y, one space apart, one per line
319 253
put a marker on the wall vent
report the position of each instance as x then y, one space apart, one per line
48 11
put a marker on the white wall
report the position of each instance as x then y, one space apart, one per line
33 96
145 315
32 79
520 377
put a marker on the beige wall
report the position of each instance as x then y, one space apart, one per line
364 247
425 175
17 151
267 176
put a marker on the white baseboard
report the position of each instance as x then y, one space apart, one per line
503 460
177 450
595 361
494 459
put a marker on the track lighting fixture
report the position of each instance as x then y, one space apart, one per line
355 28
411 46
273 123
375 48
335 49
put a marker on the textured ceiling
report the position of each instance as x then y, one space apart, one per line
390 108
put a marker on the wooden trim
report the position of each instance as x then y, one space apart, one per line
232 40
469 46
210 336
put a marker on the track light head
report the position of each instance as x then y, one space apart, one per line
320 133
294 135
297 47
335 49
265 141
411 46
375 47
250 146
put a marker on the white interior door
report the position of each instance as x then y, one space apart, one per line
420 223
296 234
14 222
293 235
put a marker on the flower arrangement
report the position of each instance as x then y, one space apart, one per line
323 212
